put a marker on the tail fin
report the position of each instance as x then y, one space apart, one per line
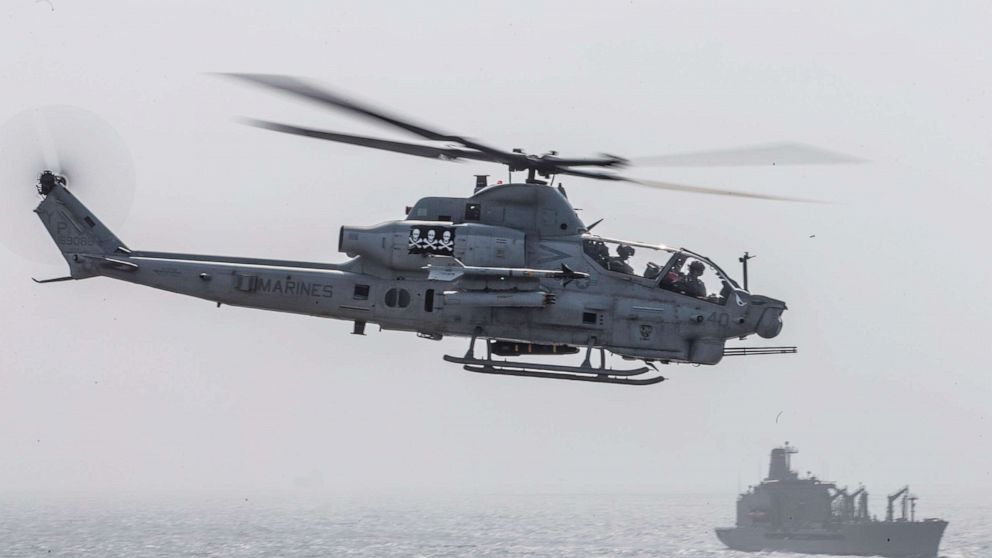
81 237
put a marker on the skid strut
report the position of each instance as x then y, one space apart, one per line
582 373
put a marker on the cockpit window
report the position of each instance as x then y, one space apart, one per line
693 276
679 271
618 261
636 259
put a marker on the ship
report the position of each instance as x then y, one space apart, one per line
806 515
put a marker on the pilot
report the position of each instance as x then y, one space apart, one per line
619 263
691 284
599 252
672 277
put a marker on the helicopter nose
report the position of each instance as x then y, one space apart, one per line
769 325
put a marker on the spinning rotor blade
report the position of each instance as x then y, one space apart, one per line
544 165
682 187
428 151
712 191
46 143
771 154
300 88
73 143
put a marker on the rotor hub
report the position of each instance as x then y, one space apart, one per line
48 181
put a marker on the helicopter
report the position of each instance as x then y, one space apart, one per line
511 266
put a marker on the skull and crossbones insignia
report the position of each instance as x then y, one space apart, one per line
431 240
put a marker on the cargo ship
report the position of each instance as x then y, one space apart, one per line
790 513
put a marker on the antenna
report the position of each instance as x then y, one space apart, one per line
743 259
481 181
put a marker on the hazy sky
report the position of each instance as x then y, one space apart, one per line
106 386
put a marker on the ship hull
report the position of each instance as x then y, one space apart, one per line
917 539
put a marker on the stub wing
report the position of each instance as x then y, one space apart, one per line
446 268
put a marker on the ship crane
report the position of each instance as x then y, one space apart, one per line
892 498
838 492
841 507
862 497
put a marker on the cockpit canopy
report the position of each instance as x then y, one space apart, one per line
678 270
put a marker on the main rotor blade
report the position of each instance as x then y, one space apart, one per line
300 88
683 187
604 161
770 154
591 174
712 191
428 151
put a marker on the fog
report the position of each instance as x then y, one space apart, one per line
112 387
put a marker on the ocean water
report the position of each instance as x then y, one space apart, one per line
310 526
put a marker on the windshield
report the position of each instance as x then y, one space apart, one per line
680 271
692 275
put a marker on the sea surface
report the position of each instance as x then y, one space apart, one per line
305 525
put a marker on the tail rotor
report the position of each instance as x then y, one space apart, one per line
59 145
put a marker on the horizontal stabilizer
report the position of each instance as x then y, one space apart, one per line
116 263
121 264
53 280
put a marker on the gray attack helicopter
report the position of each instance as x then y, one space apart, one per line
511 265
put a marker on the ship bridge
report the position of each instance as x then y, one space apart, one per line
780 466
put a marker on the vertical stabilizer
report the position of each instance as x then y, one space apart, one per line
80 236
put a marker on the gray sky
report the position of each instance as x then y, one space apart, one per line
106 386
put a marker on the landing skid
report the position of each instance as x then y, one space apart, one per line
582 373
